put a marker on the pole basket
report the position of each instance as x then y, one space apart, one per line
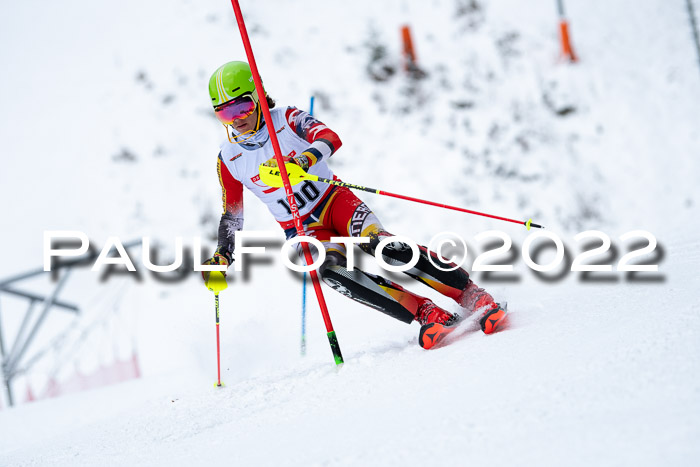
567 52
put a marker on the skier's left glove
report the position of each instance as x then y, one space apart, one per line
220 257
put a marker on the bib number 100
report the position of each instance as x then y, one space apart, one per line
307 194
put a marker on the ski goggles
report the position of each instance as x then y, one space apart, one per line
241 107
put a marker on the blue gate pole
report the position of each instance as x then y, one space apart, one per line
303 286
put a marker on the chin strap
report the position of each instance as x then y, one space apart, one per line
236 139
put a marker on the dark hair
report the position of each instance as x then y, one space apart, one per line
270 101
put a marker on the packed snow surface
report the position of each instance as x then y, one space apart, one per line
106 128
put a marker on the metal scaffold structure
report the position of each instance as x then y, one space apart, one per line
13 358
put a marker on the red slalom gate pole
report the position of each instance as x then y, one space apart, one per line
567 51
332 339
408 50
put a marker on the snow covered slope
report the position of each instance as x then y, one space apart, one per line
105 128
584 375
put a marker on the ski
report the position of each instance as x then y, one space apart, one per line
439 335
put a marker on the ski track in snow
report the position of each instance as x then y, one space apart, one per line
587 373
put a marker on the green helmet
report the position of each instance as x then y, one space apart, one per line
231 80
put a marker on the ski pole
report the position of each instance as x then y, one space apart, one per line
284 179
218 346
270 176
216 283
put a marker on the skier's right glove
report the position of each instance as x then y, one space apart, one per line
220 257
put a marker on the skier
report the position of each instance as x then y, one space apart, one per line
326 210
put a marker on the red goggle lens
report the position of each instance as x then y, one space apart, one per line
240 108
